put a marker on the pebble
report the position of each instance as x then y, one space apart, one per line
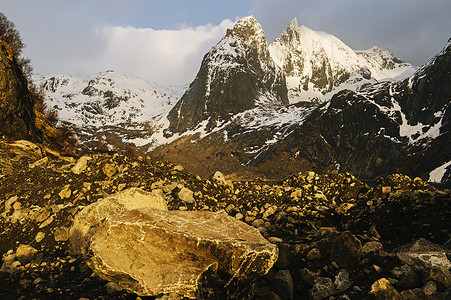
274 239
39 236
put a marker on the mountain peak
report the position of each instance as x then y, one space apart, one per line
248 27
236 75
294 23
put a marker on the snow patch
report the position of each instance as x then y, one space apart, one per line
437 174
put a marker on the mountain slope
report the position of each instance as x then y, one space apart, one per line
389 127
107 98
317 63
237 74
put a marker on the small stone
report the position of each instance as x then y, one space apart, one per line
121 186
39 163
65 192
313 254
346 250
382 289
342 282
46 222
9 202
239 216
258 223
25 253
377 268
429 288
371 247
344 208
296 194
308 276
81 164
178 168
112 287
322 288
109 170
275 240
61 234
269 212
17 205
219 178
39 236
407 278
39 215
386 190
310 176
283 284
186 195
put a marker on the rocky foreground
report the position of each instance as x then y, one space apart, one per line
308 236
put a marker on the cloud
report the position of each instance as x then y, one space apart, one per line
164 56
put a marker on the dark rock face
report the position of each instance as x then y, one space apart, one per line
236 75
17 117
385 128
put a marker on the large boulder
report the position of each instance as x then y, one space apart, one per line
189 253
92 214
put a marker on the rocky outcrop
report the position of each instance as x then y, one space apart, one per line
17 116
191 254
385 128
236 75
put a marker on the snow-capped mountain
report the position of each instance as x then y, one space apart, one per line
402 126
277 109
318 64
236 75
110 111
107 98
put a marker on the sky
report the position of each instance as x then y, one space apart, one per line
164 41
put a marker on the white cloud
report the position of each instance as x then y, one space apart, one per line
164 56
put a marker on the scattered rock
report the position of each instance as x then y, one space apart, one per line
342 282
39 236
42 162
382 289
81 164
65 192
313 254
371 247
61 234
407 278
322 288
219 178
283 284
109 170
346 250
186 195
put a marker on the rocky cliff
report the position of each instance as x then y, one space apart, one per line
17 116
238 74
387 127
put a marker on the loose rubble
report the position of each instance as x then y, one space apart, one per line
336 237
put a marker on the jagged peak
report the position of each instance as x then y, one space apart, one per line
293 23
247 27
